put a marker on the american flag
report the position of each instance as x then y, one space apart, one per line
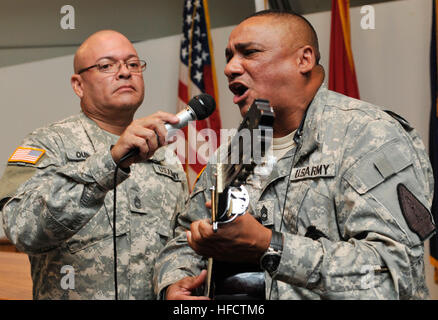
197 75
29 155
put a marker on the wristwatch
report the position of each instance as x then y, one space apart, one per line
271 258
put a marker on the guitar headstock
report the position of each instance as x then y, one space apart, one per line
259 116
247 147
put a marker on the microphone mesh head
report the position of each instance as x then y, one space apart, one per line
203 105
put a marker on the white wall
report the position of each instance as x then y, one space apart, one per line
392 64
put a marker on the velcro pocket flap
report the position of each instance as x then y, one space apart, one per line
378 166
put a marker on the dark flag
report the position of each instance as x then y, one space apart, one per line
433 135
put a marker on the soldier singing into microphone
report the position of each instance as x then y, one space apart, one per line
346 209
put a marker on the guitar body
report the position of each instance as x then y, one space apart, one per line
238 281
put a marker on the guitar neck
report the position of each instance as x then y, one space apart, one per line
257 123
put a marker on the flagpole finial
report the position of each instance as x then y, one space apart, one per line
261 5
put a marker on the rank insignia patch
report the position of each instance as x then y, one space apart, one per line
27 155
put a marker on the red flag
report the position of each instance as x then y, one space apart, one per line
197 75
342 76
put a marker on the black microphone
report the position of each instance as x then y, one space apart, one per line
199 107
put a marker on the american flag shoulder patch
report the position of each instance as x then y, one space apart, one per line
27 155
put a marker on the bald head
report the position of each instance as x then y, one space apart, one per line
91 48
106 96
299 30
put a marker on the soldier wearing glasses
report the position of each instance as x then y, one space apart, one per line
56 193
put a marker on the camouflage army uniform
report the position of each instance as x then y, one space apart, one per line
60 212
345 236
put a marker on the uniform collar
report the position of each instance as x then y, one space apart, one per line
307 138
100 139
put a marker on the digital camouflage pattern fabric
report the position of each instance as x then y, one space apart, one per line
60 212
345 236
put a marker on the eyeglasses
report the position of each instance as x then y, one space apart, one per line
135 66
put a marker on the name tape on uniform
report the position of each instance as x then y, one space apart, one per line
166 172
27 155
76 155
314 171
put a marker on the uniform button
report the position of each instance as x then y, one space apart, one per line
264 213
137 203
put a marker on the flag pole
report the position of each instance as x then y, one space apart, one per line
261 5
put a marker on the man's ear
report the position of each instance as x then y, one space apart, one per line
76 84
307 59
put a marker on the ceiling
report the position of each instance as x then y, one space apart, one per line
30 30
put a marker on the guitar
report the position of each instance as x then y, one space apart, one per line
230 199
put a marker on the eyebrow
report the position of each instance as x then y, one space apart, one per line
246 44
112 58
241 46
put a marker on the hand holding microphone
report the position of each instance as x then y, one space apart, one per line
144 136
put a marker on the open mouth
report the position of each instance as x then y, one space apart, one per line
239 90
